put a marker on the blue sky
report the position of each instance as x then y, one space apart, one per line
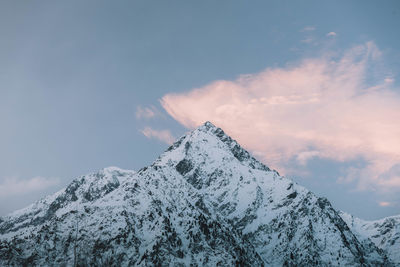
81 84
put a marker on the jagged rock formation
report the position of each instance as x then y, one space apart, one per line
205 202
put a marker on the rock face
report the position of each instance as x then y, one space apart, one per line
203 202
385 233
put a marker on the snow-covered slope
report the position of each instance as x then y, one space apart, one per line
385 233
205 201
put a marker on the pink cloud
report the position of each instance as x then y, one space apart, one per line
303 157
146 112
320 107
162 135
384 204
389 80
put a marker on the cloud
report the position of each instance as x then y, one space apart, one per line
13 186
162 135
146 112
320 107
308 29
331 34
389 80
303 157
384 204
307 40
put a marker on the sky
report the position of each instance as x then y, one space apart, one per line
310 88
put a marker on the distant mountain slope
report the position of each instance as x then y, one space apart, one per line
385 233
205 202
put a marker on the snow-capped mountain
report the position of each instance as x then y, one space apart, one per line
385 233
204 202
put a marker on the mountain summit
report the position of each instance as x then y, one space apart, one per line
204 202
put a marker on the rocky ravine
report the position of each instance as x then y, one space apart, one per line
204 202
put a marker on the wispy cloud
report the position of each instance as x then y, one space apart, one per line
309 36
389 80
320 107
305 156
308 29
307 40
331 34
146 112
13 186
161 135
385 204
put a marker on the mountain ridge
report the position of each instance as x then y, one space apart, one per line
385 232
204 201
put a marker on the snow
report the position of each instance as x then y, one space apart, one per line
385 233
200 202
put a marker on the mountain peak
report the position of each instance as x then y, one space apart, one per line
205 202
210 128
209 140
207 126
